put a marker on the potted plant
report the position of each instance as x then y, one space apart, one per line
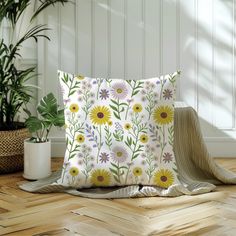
15 92
37 149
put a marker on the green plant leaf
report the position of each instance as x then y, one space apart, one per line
33 124
59 119
47 107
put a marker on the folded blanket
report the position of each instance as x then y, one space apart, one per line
197 171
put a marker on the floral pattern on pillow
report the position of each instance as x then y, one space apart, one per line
118 132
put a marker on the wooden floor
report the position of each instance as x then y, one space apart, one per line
23 213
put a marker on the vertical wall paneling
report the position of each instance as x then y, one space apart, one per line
125 39
84 37
178 96
223 63
50 78
117 42
143 38
134 39
143 23
187 56
53 56
169 36
109 38
205 57
161 36
67 37
152 39
42 58
101 39
234 66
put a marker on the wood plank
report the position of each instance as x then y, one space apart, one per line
23 213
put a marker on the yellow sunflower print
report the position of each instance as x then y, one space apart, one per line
137 171
74 108
137 108
79 77
163 115
80 138
100 177
164 178
143 138
74 171
100 115
127 126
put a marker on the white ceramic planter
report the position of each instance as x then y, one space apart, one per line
37 160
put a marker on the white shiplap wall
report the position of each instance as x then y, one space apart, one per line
143 38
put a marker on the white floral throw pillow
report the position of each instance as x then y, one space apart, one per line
118 132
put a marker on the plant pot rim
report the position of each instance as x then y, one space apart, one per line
31 142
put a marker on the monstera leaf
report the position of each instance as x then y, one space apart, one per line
34 124
47 107
50 116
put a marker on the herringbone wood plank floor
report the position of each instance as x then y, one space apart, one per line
23 213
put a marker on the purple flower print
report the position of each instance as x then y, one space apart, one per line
167 157
104 94
104 157
167 94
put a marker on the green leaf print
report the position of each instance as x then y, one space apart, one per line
108 137
86 159
71 82
136 86
172 78
87 97
118 134
149 159
117 171
137 128
150 97
171 135
99 83
132 141
117 107
74 129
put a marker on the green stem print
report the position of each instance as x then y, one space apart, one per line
117 171
73 130
118 134
162 82
108 137
109 81
171 135
99 83
87 161
150 96
72 84
150 160
86 96
158 136
136 86
172 78
176 171
127 109
162 141
99 144
117 107
132 141
64 168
